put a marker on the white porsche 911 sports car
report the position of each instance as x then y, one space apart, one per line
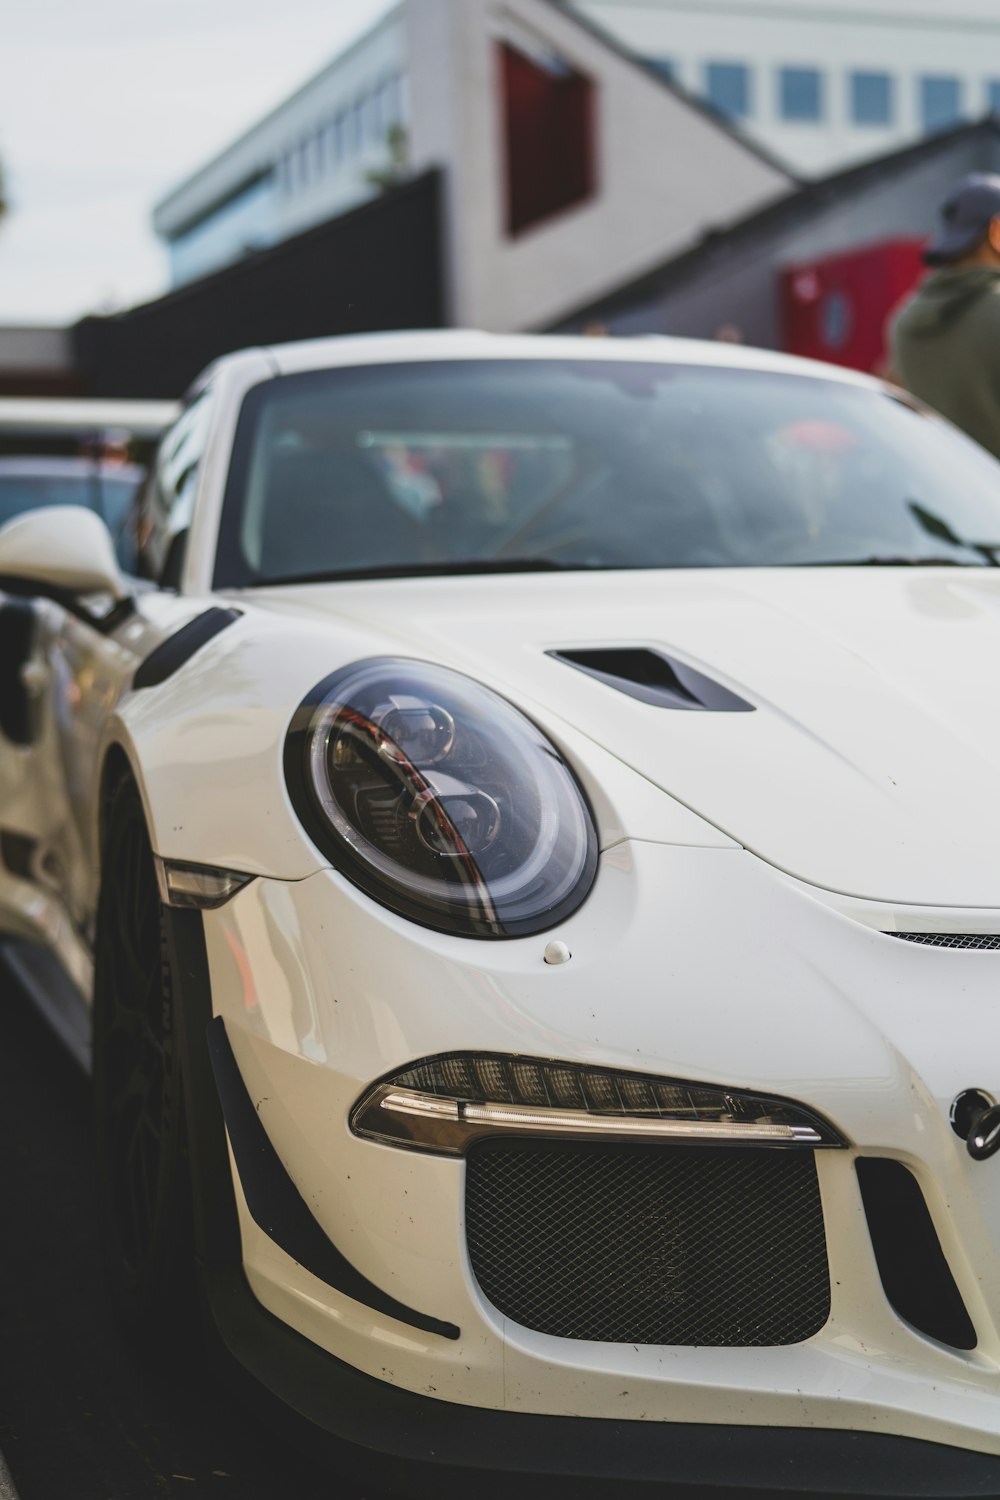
530 845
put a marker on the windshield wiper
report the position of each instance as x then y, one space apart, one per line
438 569
935 526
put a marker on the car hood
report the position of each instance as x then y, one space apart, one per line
871 764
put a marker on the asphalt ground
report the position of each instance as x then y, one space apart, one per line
83 1416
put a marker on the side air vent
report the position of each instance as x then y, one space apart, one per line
653 678
916 1278
171 654
981 940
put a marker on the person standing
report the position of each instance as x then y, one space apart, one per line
945 339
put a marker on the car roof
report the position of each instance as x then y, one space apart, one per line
454 344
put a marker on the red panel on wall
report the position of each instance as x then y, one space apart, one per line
548 127
836 308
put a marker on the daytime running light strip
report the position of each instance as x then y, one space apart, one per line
467 1120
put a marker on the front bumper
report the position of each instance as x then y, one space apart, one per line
420 1447
688 963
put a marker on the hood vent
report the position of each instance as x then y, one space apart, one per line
653 677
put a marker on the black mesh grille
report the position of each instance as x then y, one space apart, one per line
951 939
650 1244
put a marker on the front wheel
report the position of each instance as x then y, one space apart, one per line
144 1194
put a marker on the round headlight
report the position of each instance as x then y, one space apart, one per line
440 800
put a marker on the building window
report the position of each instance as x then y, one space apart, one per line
340 135
332 148
993 96
357 132
727 87
665 66
375 114
871 99
548 129
800 94
391 111
940 102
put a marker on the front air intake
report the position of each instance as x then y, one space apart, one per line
916 1278
649 1244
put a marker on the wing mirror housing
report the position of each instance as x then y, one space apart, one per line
62 550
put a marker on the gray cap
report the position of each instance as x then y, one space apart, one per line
966 214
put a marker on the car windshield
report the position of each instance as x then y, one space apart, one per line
31 484
483 465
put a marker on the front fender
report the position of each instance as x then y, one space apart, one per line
207 744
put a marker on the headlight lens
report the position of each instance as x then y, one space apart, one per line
440 800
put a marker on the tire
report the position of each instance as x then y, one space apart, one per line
143 1179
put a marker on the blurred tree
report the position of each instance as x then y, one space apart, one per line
396 168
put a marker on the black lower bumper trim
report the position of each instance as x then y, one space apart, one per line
419 1447
278 1207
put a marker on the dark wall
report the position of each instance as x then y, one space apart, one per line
378 267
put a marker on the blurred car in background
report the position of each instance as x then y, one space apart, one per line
105 487
45 422
79 452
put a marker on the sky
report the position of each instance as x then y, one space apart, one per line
106 104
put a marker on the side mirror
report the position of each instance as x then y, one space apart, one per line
65 549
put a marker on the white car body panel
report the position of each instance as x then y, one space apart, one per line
198 780
354 994
751 868
852 673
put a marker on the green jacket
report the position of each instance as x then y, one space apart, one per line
945 349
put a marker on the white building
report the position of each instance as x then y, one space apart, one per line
821 83
566 166
315 156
